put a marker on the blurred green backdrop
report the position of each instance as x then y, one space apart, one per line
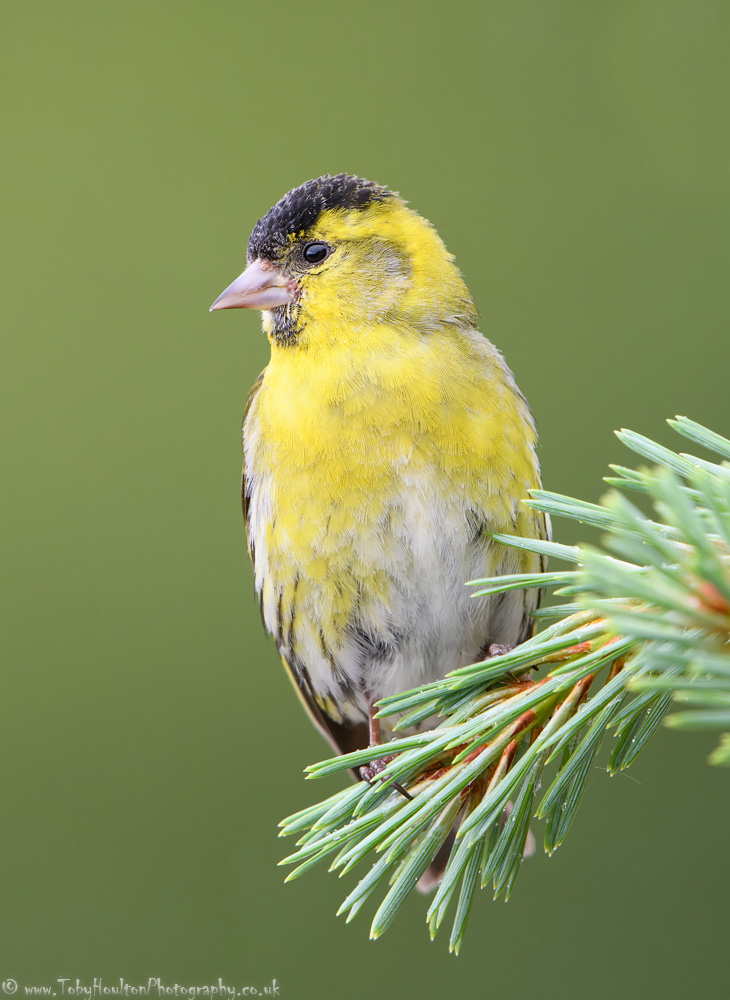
575 158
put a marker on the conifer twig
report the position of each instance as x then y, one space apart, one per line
645 627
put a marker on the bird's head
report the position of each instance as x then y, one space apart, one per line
343 251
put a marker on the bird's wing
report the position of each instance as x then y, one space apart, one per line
244 495
545 533
531 603
343 738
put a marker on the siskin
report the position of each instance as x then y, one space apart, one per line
383 443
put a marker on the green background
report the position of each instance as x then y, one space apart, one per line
575 158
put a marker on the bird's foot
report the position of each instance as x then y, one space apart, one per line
370 771
497 649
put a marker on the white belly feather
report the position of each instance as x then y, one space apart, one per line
424 626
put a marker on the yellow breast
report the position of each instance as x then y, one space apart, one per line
373 475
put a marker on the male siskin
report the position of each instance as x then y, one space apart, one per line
383 443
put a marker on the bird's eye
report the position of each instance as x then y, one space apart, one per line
315 253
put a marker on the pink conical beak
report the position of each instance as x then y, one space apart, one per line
261 286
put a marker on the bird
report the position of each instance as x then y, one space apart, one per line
384 443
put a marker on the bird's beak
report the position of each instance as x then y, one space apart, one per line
261 286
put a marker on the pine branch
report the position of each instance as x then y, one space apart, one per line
646 626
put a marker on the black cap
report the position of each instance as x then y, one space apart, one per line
298 210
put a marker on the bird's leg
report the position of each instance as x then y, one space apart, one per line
498 649
368 772
371 770
374 733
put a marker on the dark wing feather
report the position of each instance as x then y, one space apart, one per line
342 738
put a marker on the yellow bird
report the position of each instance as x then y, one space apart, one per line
383 443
